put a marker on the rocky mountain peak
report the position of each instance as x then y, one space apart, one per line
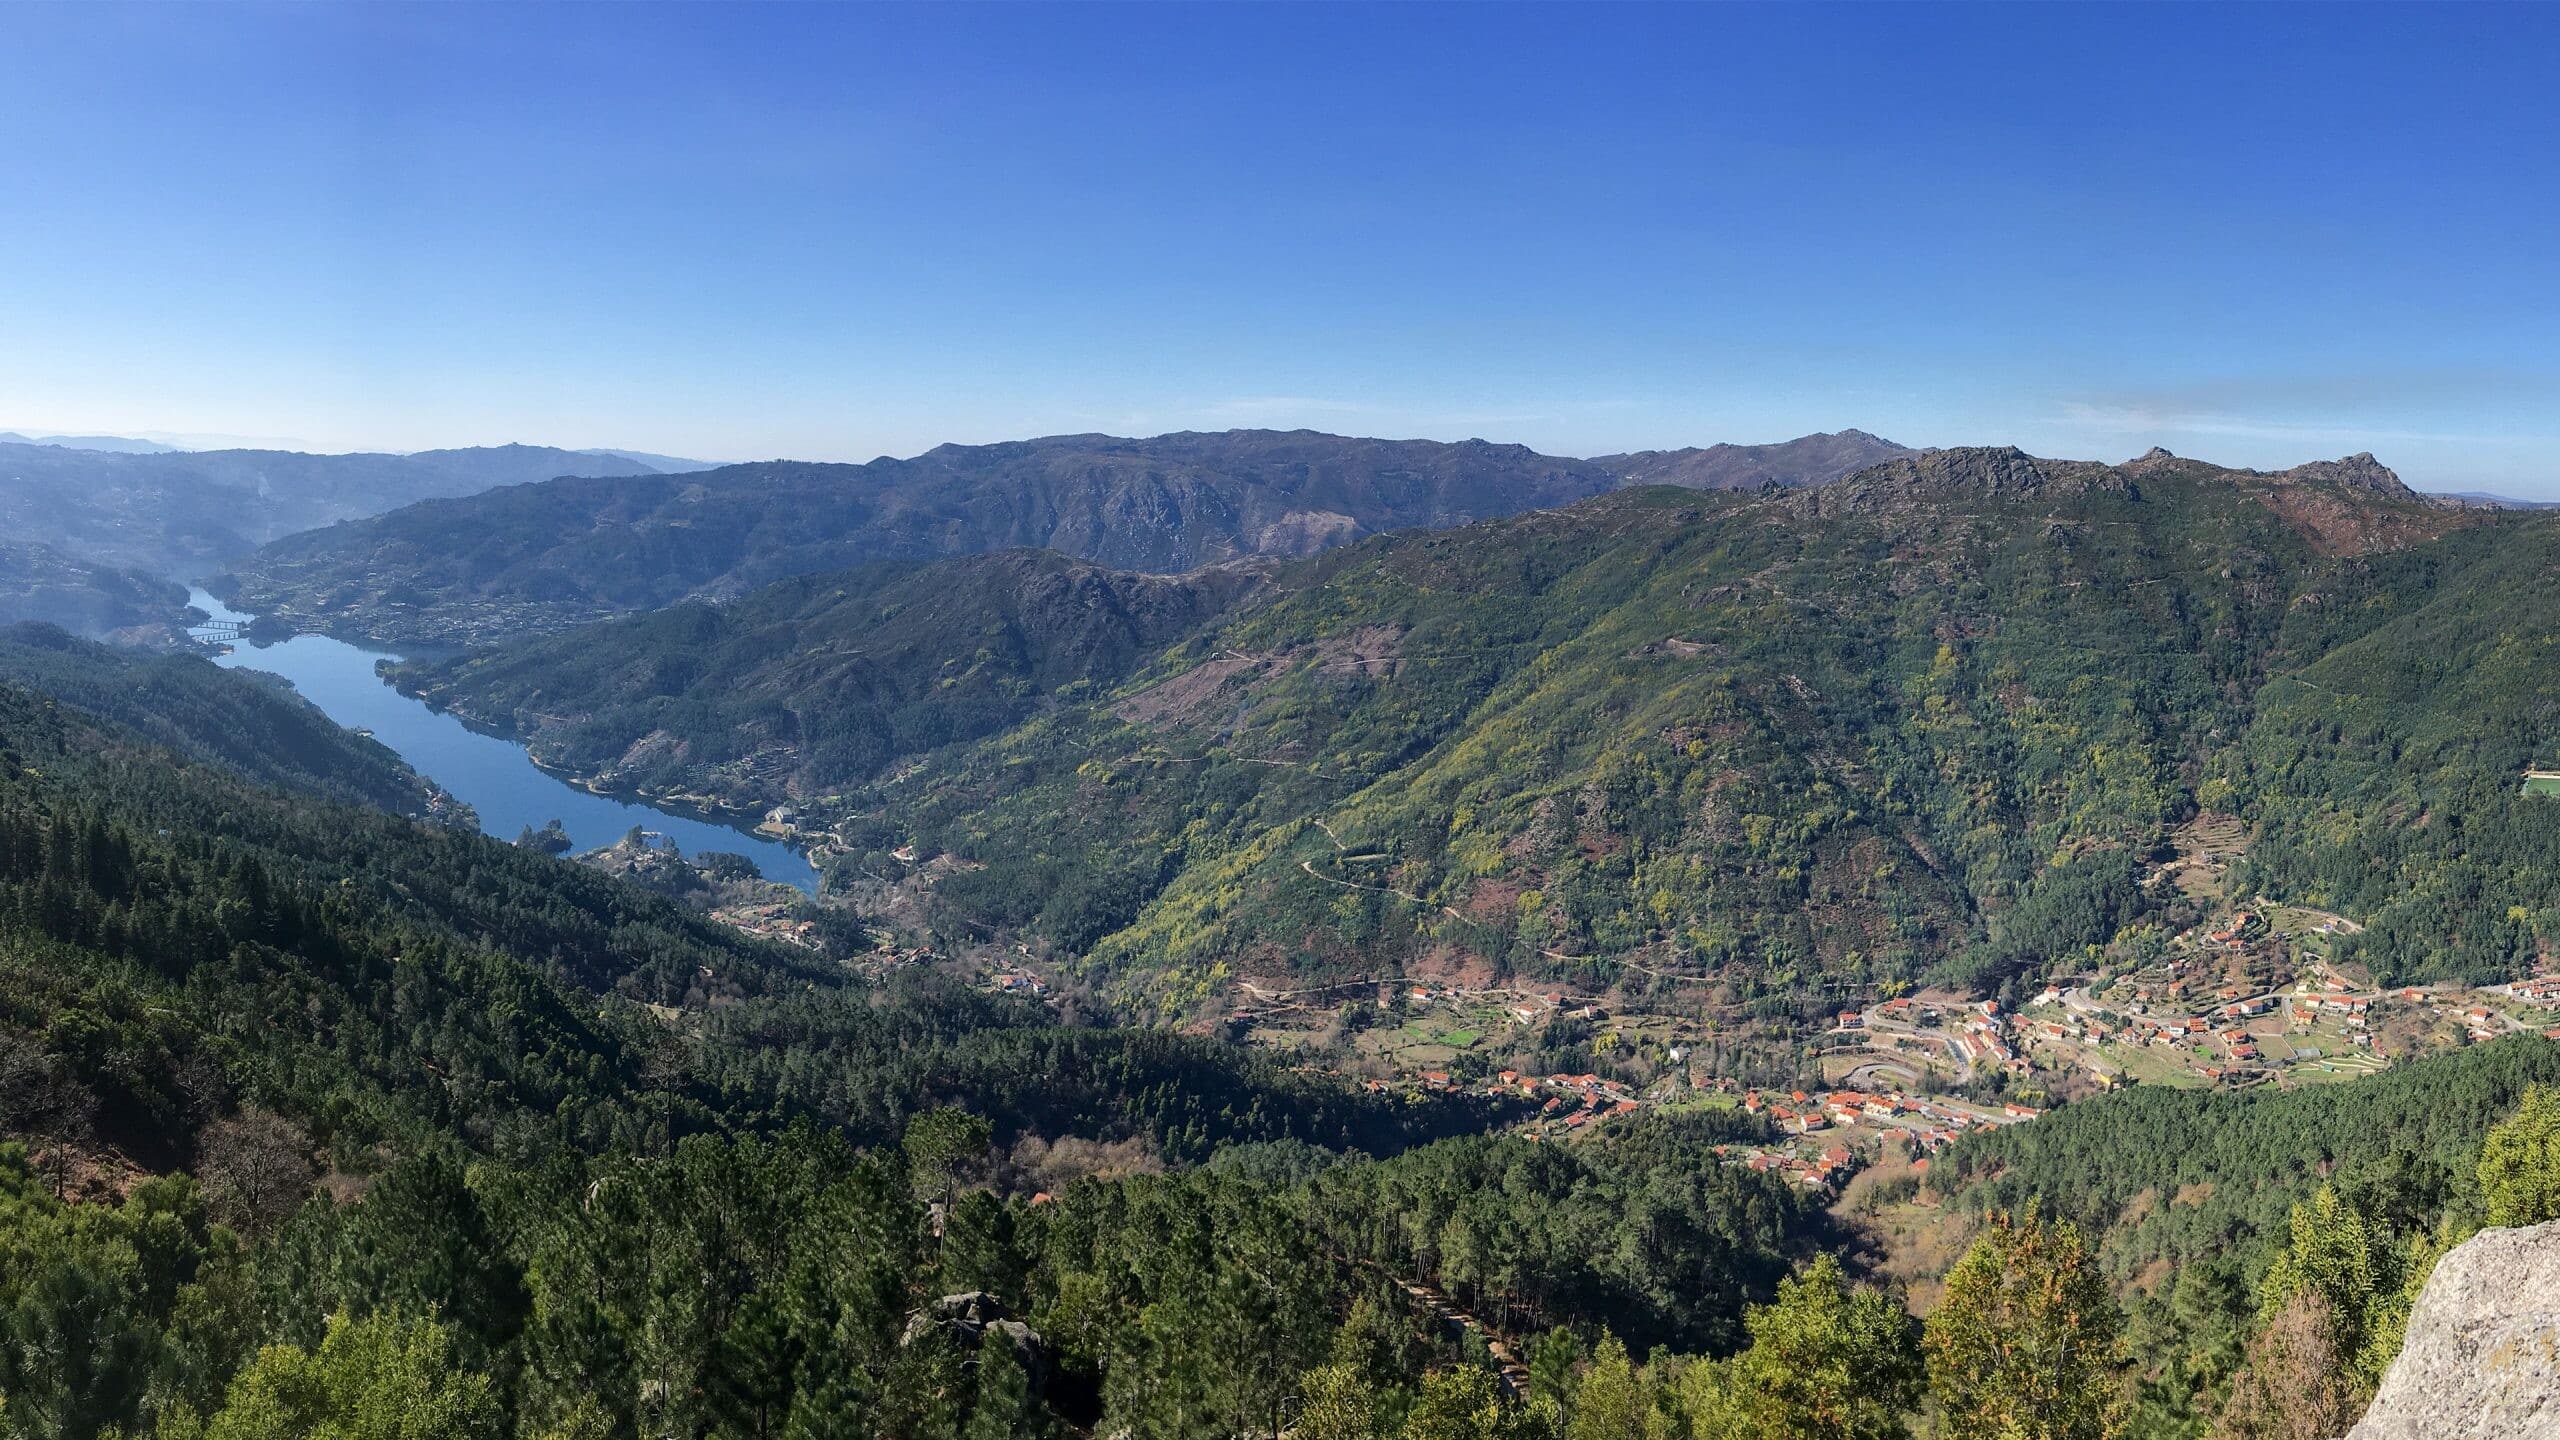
1994 470
2359 471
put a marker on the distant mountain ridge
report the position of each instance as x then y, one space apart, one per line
543 557
2495 502
124 444
186 513
1805 460
663 464
144 445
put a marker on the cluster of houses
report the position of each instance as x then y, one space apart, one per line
2310 1007
2070 1027
877 964
1926 1125
1571 1101
1595 1098
1551 1004
2541 992
1824 1171
2169 1029
1937 1123
1980 1039
2223 1024
2236 933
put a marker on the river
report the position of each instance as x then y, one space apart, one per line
495 777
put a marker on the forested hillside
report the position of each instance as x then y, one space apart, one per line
2384 775
1937 720
248 724
2192 1197
346 929
544 557
41 584
306 1109
812 685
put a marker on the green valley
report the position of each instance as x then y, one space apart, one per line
1938 722
1254 796
1606 899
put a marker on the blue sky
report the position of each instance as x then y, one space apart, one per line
2258 234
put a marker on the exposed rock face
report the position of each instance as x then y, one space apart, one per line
974 1318
2000 471
2483 1357
2359 471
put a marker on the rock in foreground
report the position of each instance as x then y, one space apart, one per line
2483 1357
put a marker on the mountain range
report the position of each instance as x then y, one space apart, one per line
1936 719
126 444
1805 460
318 1110
185 514
543 557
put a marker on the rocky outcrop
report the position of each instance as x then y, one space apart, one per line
974 1319
2482 1360
2353 506
2359 471
2001 472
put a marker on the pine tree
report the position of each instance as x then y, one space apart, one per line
2520 1162
1553 1361
1610 1401
1335 1402
2295 1385
1826 1363
2337 1250
2022 1344
1459 1403
941 1146
373 1379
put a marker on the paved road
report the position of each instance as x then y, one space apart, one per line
1955 1053
1864 1076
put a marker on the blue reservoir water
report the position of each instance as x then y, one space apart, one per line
495 777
